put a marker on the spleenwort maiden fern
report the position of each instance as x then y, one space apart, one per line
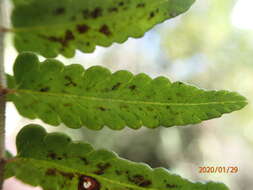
93 97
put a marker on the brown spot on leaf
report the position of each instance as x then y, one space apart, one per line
124 106
69 35
52 155
171 186
97 12
54 171
51 172
67 105
59 11
105 30
102 108
132 87
121 3
102 168
55 39
82 28
84 160
140 5
67 174
86 13
118 172
117 85
88 183
113 9
70 81
140 181
151 15
45 89
62 40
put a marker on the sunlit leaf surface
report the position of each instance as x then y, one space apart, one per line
53 162
96 97
62 26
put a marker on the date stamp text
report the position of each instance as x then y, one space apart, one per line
218 169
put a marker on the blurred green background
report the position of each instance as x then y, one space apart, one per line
211 46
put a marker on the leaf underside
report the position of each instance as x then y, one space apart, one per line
42 161
96 97
62 26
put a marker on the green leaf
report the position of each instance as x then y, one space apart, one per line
62 26
95 97
54 162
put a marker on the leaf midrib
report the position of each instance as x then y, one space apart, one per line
73 96
68 169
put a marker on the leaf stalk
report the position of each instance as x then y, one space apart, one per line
4 29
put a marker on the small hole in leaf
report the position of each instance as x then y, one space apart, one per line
88 183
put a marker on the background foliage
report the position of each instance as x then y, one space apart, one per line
217 56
